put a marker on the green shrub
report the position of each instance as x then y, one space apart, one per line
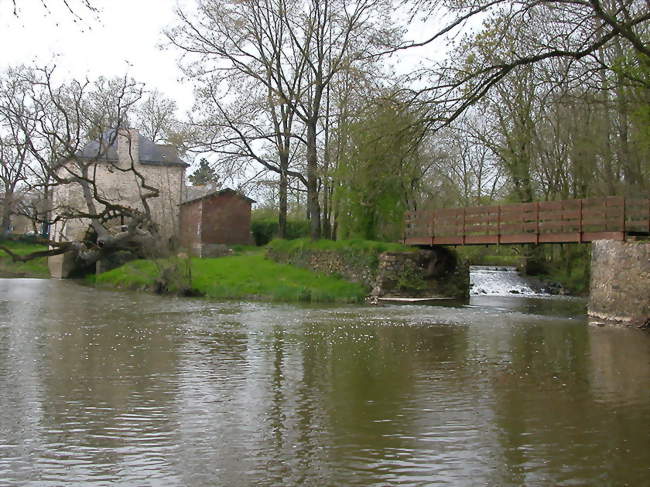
263 231
570 265
343 246
266 229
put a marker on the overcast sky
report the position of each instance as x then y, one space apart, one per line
123 39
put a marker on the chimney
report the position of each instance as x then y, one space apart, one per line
128 147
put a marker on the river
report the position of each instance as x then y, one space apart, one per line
117 388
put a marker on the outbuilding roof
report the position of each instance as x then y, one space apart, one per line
194 196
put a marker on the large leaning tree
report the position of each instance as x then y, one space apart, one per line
57 122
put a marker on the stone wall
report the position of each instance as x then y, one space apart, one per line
620 282
352 266
116 184
425 273
421 273
124 188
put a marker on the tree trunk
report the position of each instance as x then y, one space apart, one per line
313 206
327 212
7 204
284 184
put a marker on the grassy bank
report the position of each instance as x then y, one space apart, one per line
248 276
33 268
355 246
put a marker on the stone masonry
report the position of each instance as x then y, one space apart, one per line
620 282
425 273
419 273
355 267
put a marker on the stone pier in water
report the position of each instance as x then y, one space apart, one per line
620 282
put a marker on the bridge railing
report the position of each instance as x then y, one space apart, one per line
580 220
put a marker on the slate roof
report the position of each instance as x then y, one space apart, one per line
149 153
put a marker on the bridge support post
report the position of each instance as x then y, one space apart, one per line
619 290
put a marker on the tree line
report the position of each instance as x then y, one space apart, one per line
532 100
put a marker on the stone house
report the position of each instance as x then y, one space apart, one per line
109 161
214 219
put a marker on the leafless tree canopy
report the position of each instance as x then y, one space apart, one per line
76 8
518 34
266 69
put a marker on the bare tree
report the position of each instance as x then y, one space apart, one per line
265 68
156 119
15 130
466 161
13 157
332 37
73 7
248 74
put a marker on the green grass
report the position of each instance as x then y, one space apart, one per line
360 246
574 280
247 250
33 268
241 277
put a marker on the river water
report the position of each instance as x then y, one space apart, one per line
115 388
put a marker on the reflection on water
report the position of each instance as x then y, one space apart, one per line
105 388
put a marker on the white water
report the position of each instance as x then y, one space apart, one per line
499 281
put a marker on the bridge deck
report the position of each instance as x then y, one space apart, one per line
583 220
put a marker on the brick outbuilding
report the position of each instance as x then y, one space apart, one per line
215 219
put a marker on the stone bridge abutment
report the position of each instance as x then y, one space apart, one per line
619 290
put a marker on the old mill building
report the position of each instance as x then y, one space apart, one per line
162 168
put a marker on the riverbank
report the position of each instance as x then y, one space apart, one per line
341 272
33 268
246 276
249 276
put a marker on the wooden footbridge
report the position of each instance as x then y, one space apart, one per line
582 220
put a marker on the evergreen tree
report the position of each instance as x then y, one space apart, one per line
204 174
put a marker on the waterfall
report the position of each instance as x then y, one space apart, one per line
500 281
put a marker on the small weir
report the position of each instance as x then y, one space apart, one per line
501 281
